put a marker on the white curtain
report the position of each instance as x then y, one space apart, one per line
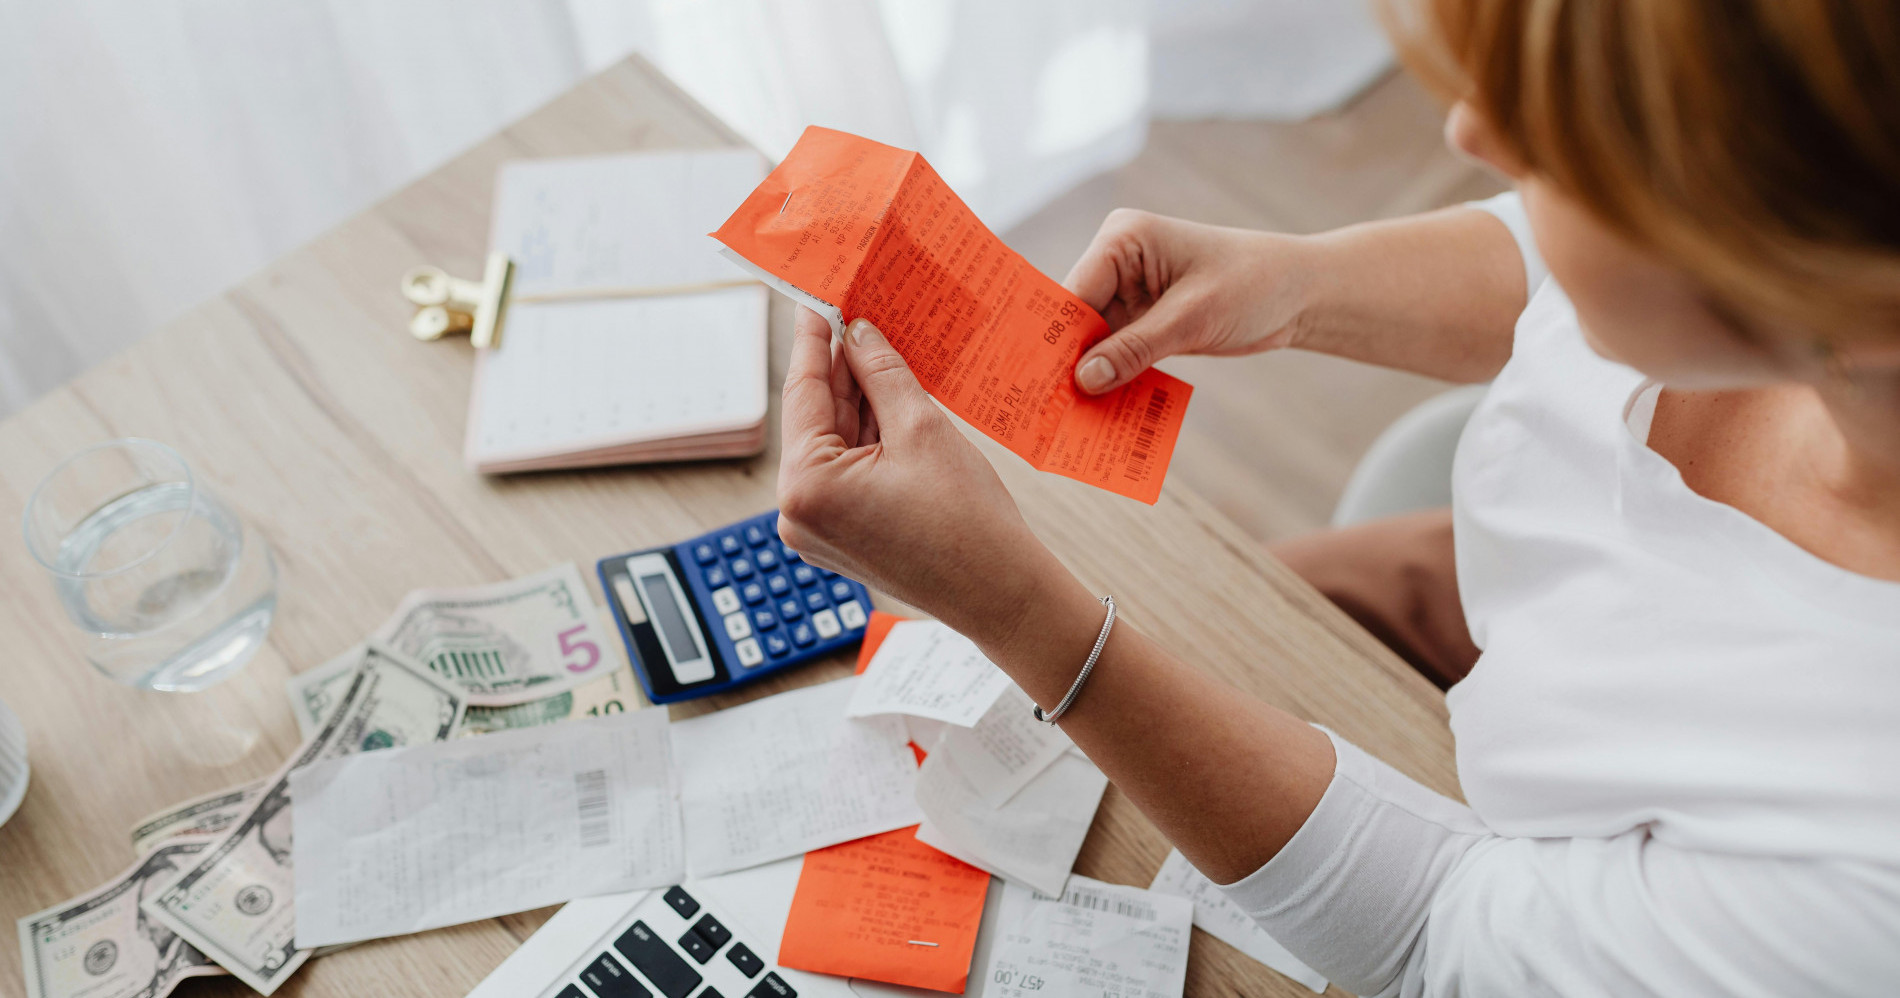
154 151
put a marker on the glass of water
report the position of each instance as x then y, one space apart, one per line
171 590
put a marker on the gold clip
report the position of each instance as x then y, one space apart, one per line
452 305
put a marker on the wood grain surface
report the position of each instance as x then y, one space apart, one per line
300 399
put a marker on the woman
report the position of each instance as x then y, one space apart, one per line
1676 520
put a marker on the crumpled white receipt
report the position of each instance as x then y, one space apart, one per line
398 841
1004 750
1095 940
1032 840
925 669
1225 921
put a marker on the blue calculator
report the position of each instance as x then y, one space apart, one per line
705 615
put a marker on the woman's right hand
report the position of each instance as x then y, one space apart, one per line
1168 286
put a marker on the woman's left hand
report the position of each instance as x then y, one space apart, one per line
875 483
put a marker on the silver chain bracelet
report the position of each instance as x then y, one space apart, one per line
1108 624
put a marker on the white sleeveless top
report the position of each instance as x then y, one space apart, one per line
1680 747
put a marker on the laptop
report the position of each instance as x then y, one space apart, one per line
711 938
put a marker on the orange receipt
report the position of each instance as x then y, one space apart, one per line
886 908
856 229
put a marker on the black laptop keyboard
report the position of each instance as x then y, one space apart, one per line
645 961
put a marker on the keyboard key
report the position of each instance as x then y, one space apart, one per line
772 987
777 646
766 558
743 958
610 980
681 902
752 592
816 601
764 619
741 568
787 553
826 624
710 930
716 577
729 544
711 993
737 626
841 590
755 535
725 600
749 654
699 949
802 635
851 615
705 553
804 575
778 584
650 955
791 610
571 991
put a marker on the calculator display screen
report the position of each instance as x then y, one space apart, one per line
666 612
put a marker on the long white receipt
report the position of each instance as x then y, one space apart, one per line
925 669
1095 940
788 774
1006 749
416 838
1224 920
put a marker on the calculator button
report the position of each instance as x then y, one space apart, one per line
826 573
710 929
726 601
776 645
730 545
804 575
778 584
747 961
749 656
681 902
716 577
696 947
755 535
741 568
802 635
791 609
851 615
815 601
610 980
753 592
704 553
826 623
650 955
787 553
772 987
840 590
737 626
766 559
764 619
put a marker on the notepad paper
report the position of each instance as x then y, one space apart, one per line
1223 919
393 842
787 774
615 379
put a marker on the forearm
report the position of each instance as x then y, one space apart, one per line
1437 294
1227 778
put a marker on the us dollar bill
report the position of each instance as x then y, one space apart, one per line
315 692
101 944
505 643
234 901
207 815
610 694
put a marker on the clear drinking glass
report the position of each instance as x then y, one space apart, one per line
172 591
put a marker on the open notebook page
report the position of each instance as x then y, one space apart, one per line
572 377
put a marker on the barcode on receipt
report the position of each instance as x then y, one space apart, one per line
1082 897
590 791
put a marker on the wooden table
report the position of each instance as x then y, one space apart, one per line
301 399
